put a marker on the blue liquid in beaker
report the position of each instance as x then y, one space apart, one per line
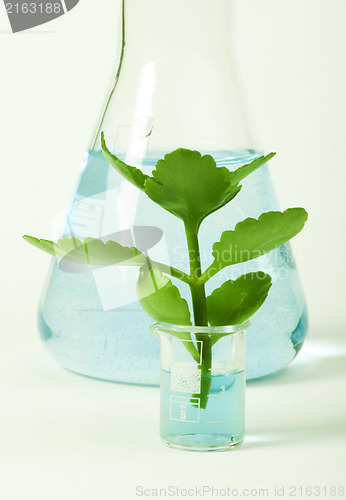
220 424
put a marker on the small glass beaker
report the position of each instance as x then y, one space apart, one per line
202 385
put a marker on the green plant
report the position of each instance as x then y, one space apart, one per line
192 187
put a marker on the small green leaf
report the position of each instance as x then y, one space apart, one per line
91 251
160 298
236 301
242 172
132 174
252 238
190 186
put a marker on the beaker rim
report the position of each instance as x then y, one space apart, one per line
228 329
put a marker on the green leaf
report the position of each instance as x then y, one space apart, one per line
163 302
235 301
160 298
252 238
242 172
190 186
132 174
91 251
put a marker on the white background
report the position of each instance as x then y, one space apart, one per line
69 437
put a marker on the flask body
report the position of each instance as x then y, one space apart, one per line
175 87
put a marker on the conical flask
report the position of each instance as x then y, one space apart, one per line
175 87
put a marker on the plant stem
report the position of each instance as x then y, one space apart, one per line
172 271
209 273
205 371
197 289
200 314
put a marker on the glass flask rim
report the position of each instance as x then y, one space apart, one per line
172 328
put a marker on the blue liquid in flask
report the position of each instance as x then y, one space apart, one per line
92 323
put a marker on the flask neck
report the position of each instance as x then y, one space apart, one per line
156 29
176 85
